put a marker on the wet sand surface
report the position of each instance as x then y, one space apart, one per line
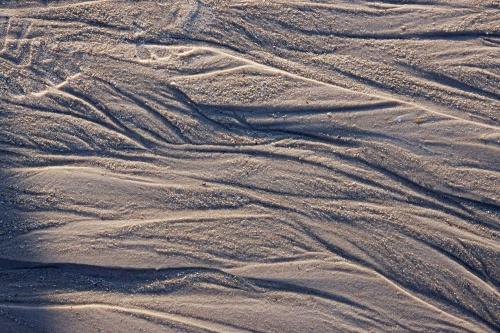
249 166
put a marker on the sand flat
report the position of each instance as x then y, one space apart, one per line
249 166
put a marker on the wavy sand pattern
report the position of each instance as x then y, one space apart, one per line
249 166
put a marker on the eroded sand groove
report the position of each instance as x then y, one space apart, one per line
249 166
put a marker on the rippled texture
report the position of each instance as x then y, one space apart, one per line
263 166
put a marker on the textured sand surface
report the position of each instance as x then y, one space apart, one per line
249 166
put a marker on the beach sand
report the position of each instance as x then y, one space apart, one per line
249 166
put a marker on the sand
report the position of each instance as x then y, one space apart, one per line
249 166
